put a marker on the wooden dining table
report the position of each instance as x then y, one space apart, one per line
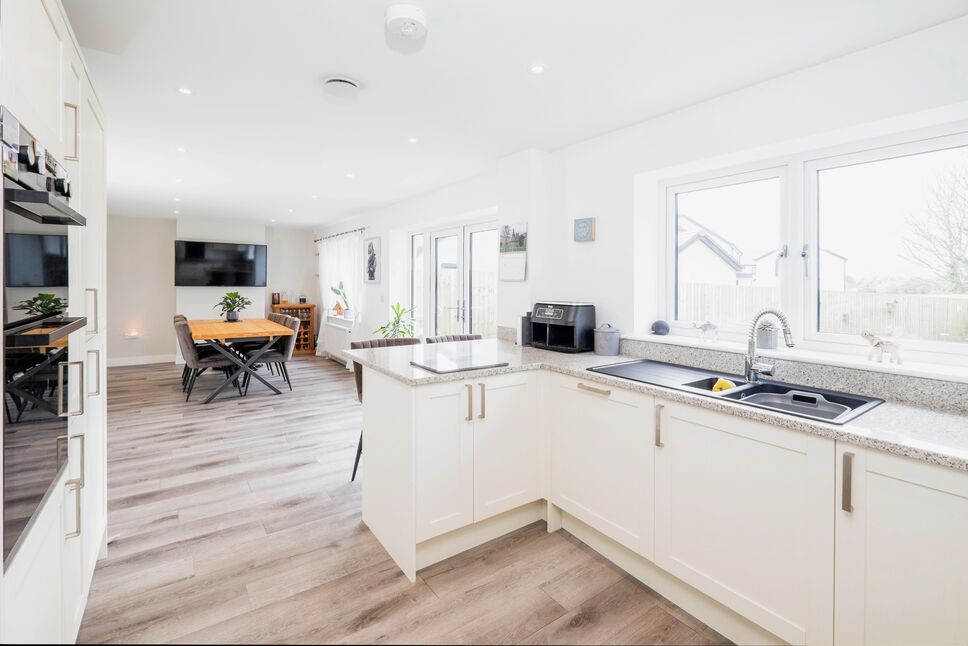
219 334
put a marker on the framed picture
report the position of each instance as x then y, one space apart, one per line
585 230
371 260
513 248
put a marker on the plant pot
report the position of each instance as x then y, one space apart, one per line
232 317
348 314
766 338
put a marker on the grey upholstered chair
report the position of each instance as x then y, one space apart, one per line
278 356
196 362
449 338
358 373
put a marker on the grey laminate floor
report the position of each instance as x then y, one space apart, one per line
236 523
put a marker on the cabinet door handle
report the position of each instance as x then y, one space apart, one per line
846 504
483 414
593 389
77 511
97 323
658 425
62 410
79 481
470 403
61 449
97 372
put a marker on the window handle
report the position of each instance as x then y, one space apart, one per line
806 262
780 255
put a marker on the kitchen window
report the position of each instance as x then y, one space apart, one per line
866 238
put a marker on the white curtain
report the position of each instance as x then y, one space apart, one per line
340 259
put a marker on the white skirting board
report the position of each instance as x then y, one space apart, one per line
140 361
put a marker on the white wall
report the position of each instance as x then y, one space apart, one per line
141 257
597 177
141 267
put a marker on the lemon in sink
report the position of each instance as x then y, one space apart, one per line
723 384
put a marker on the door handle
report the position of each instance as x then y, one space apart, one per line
846 485
597 391
470 403
77 510
658 426
63 411
97 323
80 480
97 372
483 414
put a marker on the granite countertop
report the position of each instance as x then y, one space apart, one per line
901 429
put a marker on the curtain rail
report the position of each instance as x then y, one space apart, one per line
336 235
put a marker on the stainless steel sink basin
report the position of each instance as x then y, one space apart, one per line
812 403
823 405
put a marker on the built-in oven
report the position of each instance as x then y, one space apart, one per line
42 387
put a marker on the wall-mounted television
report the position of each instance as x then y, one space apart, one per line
219 264
35 260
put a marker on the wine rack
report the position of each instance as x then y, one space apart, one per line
306 313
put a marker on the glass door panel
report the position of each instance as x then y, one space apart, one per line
448 283
481 255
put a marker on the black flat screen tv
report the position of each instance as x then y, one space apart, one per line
35 260
219 264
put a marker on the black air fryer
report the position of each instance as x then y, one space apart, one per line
563 327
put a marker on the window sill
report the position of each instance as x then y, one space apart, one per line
910 369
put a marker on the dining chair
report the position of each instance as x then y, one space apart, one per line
196 362
450 338
358 374
279 357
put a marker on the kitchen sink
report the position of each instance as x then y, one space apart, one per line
823 405
813 403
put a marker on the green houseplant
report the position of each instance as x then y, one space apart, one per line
232 303
400 325
341 293
43 304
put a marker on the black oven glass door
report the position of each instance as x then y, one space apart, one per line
36 374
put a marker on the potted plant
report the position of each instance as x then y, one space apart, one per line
232 303
398 327
341 293
47 304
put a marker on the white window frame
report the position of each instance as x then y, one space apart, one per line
473 221
798 173
731 177
813 339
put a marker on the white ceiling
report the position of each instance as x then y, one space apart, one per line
261 136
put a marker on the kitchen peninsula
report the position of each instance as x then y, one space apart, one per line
641 473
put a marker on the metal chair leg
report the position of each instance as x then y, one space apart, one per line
191 383
285 373
359 452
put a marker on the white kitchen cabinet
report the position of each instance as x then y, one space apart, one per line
744 513
33 36
478 451
601 457
508 444
444 458
902 562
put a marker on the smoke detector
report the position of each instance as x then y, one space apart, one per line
342 87
406 21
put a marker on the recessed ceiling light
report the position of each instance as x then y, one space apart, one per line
178 180
180 149
315 197
537 68
177 211
290 210
178 199
412 140
350 176
184 90
272 220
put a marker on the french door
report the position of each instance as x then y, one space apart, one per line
463 280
